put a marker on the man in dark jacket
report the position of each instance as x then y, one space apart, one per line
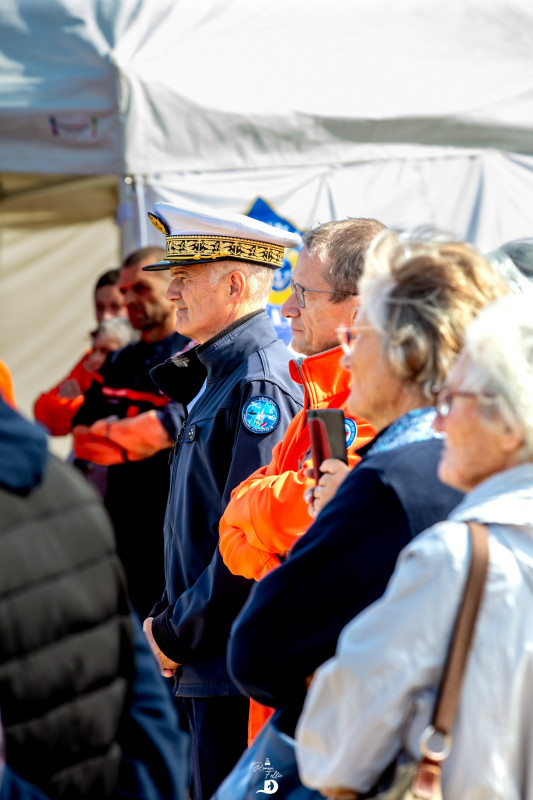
127 424
222 272
85 713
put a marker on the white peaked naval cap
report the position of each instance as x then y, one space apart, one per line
195 235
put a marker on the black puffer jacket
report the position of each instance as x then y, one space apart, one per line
66 648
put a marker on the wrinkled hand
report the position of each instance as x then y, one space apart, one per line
167 667
69 389
333 472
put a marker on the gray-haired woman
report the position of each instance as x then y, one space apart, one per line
374 698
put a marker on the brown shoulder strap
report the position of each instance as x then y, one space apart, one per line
450 687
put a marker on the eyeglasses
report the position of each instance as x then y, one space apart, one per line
348 335
299 291
444 398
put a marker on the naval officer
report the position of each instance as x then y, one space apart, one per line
237 398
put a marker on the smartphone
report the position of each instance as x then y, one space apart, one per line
327 436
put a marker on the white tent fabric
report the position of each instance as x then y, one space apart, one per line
150 86
408 111
57 236
483 196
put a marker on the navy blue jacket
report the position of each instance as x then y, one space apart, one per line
293 618
129 390
214 453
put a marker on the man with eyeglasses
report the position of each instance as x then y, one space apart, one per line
267 512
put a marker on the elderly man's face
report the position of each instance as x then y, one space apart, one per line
200 295
314 327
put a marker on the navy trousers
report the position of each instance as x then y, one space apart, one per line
219 736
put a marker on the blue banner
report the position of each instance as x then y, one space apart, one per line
263 211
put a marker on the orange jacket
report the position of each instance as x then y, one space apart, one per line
6 385
267 511
58 412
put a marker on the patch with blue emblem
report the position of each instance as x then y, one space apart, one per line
261 414
350 428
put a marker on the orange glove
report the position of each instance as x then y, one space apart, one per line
115 441
97 449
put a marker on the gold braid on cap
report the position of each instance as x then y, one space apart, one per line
190 248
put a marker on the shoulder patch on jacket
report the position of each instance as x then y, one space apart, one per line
350 428
261 414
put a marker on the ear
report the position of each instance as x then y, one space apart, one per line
354 308
511 441
237 285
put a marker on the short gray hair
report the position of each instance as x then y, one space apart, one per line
498 359
420 290
342 246
259 279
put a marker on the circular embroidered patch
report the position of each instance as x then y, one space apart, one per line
261 415
350 428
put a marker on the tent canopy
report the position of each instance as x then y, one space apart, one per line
151 86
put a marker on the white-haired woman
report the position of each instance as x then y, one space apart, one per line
374 698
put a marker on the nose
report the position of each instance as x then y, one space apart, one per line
173 292
290 307
128 297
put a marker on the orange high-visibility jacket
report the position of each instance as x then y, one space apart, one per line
6 384
267 511
58 412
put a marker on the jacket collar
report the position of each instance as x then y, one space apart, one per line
321 376
413 426
228 349
505 498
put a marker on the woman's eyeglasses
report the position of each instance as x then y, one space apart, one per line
444 398
348 335
299 291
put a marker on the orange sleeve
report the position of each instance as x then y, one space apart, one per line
6 384
267 511
58 412
129 439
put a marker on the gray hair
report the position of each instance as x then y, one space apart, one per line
342 246
420 290
119 328
515 262
259 279
498 359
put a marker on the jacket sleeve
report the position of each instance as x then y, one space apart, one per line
354 720
200 620
339 567
267 513
130 439
58 412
